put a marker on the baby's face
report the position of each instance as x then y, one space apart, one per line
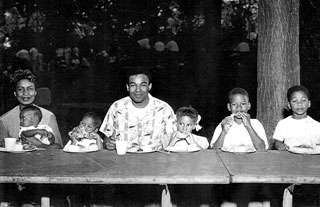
88 124
185 124
27 119
239 103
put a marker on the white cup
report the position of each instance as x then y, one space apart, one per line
121 147
9 143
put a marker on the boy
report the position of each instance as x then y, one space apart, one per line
238 129
188 119
30 117
299 129
85 136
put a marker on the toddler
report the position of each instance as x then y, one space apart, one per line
239 130
299 129
188 119
30 117
85 135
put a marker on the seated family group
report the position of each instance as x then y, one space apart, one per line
144 120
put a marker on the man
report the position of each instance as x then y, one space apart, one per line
138 118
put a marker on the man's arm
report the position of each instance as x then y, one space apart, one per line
108 129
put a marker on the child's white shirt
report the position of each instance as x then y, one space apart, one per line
45 140
239 135
296 132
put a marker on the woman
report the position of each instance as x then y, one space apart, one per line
25 92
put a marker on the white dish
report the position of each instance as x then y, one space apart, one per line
78 149
239 149
2 149
305 150
143 150
189 148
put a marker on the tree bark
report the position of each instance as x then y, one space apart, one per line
278 58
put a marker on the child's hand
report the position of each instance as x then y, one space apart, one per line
226 123
282 146
245 119
94 135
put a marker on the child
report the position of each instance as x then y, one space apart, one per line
188 119
299 129
30 117
85 136
239 129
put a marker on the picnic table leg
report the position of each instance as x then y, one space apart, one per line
287 196
165 197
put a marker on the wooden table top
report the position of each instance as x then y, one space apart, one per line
106 167
272 167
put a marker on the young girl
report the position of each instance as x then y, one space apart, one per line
84 137
188 119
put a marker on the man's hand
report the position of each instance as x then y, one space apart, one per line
110 143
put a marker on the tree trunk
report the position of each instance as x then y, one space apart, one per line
278 58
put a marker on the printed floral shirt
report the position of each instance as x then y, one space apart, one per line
150 125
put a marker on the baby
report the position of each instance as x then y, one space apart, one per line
188 119
85 135
30 117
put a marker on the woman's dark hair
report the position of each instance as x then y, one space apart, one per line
295 89
23 74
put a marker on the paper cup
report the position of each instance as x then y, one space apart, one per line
121 147
9 143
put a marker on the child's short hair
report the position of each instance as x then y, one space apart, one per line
36 111
295 89
236 91
95 117
188 111
139 70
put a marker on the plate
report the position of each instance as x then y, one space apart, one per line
184 149
239 149
2 149
77 149
135 150
305 150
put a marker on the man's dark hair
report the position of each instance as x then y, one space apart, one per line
295 89
36 111
236 91
139 70
95 117
188 111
